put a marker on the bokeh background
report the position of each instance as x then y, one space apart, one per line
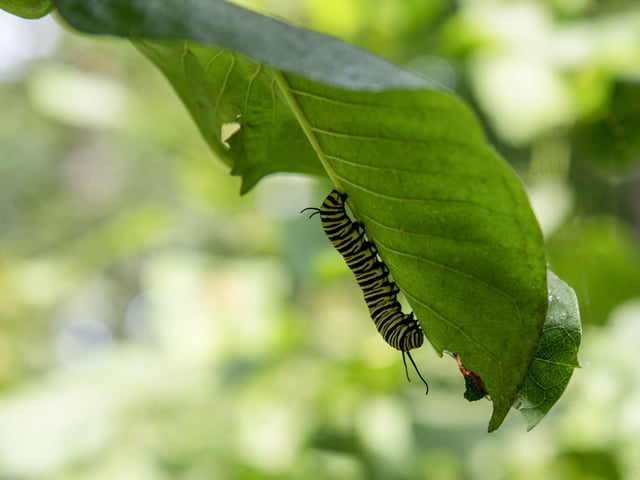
156 325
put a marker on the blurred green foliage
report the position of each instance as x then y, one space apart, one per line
156 325
27 8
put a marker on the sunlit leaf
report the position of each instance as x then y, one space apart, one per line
556 356
447 215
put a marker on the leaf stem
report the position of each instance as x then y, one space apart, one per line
293 104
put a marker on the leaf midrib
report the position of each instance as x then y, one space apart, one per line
307 128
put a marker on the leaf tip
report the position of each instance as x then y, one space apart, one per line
501 408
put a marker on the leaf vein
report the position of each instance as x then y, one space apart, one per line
422 200
551 362
453 270
431 235
402 171
245 107
334 101
452 325
212 60
380 138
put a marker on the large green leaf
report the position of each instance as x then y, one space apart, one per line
556 356
27 8
448 216
266 40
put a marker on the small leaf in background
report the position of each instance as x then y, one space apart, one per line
556 356
27 8
611 141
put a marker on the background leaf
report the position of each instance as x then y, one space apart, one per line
448 216
556 356
611 140
599 258
27 8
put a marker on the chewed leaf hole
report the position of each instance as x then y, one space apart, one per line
228 130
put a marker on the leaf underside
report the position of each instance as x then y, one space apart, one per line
448 216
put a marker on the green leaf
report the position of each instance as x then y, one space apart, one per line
27 8
556 356
264 39
222 88
448 216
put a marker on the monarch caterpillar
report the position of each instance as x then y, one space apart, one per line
401 331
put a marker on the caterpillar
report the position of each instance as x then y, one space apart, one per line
399 330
